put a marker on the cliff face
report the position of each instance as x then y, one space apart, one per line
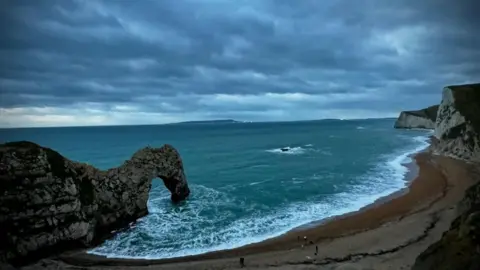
48 202
418 119
458 123
458 135
459 246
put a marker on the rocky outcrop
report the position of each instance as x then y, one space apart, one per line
458 123
418 119
49 203
457 133
459 247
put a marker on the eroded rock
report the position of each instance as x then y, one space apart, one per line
457 133
458 123
459 247
418 119
48 202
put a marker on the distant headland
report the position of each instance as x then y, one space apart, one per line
219 121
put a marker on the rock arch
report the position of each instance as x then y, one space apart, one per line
49 202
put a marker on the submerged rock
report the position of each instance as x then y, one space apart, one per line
418 119
48 202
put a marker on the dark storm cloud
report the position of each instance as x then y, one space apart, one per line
177 56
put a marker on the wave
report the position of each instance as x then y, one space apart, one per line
389 176
259 182
259 166
287 150
186 220
360 127
238 233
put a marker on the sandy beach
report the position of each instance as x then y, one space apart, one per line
388 234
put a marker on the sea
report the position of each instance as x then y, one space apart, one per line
244 188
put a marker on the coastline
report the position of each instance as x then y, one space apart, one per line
409 177
401 162
438 185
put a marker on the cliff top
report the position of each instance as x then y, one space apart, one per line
430 112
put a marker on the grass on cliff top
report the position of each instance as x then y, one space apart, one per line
467 102
430 112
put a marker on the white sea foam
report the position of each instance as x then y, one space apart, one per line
260 182
360 127
385 179
260 166
239 233
287 150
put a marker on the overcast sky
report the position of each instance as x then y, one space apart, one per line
95 62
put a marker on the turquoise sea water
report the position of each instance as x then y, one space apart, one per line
244 189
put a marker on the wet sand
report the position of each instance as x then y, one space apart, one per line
388 234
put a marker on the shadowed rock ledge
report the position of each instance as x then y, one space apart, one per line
49 203
424 118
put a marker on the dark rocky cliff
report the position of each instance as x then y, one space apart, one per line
458 123
49 203
424 118
458 135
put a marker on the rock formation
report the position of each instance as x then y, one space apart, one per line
418 119
458 123
458 135
48 203
459 247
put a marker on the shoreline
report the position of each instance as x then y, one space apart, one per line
408 177
427 184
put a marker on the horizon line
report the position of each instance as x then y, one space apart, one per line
193 121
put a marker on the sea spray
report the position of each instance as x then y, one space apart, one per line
226 231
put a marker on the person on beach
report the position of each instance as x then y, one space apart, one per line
242 262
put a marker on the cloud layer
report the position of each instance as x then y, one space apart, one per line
92 62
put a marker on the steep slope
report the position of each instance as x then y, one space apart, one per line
424 118
458 123
458 135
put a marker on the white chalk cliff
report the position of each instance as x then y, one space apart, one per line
457 127
457 134
418 119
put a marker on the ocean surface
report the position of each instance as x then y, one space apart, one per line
244 189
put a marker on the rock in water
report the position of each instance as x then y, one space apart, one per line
49 203
418 119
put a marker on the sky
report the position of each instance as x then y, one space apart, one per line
92 62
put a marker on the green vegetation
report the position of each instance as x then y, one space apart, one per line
467 102
430 112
